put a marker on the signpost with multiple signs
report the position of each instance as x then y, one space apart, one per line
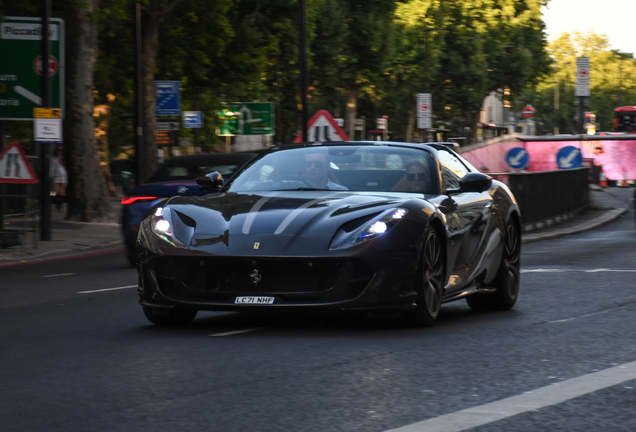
246 118
21 66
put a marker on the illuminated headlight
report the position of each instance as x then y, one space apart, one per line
163 227
379 225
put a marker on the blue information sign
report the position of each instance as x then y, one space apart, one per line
518 158
192 119
168 98
569 157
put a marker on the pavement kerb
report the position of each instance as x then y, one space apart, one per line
51 255
601 220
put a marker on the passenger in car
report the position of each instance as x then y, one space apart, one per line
417 178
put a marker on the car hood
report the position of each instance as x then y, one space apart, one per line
284 220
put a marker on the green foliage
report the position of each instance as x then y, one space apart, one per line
612 83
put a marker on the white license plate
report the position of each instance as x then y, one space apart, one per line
254 300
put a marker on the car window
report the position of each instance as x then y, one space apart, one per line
342 167
453 170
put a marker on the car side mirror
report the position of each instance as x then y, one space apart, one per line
475 182
210 182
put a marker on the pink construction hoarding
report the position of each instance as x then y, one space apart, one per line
616 157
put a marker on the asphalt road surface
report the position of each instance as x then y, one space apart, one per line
77 354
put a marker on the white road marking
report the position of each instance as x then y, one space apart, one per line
599 270
235 332
107 289
529 401
57 275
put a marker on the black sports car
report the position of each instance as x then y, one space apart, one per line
348 226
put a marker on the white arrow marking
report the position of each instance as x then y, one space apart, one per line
27 94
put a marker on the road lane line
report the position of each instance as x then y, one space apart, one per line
107 289
529 401
57 275
235 332
599 270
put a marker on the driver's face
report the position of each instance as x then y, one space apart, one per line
315 167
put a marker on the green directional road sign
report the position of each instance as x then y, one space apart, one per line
246 118
21 66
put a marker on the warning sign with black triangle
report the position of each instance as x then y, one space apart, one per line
322 127
15 167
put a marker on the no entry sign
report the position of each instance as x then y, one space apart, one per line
528 112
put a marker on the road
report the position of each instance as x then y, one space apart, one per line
77 354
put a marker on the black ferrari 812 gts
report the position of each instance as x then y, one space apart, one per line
358 226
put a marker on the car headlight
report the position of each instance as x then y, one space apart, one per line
379 225
163 226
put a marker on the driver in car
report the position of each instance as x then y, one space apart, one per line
317 171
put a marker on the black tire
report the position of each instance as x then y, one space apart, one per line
174 316
507 281
430 282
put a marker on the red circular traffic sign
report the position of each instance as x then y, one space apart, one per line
424 107
583 73
37 65
528 112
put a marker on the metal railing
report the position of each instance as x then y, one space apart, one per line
548 194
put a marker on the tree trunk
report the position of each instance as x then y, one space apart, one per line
151 20
87 191
472 119
352 112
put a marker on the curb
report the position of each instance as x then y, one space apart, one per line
59 254
609 216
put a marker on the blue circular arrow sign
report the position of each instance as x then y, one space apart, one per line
569 157
518 158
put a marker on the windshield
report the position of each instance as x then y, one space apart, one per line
341 167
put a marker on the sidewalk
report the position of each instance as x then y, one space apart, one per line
67 238
79 238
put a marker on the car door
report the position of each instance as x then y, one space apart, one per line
468 217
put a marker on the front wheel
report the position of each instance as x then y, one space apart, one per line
174 316
507 281
429 283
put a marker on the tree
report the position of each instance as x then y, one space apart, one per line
361 48
88 194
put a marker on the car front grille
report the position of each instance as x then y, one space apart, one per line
200 279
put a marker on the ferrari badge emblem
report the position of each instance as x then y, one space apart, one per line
256 245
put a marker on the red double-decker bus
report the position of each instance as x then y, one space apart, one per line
625 119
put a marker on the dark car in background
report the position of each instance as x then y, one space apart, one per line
342 226
175 177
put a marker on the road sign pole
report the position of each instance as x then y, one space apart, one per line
45 149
